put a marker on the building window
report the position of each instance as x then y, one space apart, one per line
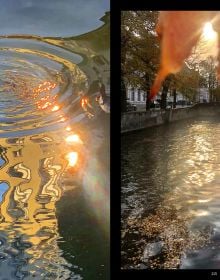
139 95
132 94
144 96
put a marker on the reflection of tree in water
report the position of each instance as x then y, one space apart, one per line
28 228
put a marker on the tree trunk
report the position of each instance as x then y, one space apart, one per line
174 97
163 103
148 102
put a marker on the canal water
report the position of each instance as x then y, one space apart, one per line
54 140
170 196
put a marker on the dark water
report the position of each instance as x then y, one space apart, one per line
170 201
54 144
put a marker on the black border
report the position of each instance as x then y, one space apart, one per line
115 130
116 8
167 5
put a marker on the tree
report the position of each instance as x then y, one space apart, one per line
166 85
139 49
208 69
187 81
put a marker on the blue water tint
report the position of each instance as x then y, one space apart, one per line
3 188
2 161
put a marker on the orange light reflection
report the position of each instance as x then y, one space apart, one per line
55 108
74 138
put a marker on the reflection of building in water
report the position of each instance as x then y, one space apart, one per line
28 227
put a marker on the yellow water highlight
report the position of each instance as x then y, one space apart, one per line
74 138
55 108
34 199
68 128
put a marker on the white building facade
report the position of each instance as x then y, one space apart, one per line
203 95
136 96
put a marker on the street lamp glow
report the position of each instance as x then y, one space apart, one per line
208 33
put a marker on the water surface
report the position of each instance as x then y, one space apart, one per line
54 141
170 196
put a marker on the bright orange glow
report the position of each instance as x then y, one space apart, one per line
68 128
44 106
72 158
46 101
74 138
46 86
55 108
84 101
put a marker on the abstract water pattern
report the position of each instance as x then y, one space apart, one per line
42 84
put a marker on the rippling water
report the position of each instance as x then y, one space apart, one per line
54 153
170 196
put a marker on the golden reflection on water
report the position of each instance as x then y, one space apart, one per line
193 169
32 171
74 138
195 164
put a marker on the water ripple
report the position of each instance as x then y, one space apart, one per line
179 170
34 89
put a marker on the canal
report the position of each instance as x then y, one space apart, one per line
170 196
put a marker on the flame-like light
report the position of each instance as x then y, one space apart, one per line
72 158
74 138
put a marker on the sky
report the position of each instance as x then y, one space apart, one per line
51 17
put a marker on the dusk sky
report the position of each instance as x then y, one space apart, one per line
51 17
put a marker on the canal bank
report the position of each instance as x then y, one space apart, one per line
132 121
